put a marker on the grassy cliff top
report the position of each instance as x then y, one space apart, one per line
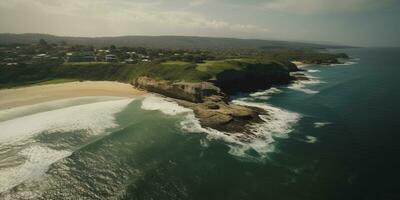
169 70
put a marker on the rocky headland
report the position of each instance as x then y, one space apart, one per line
209 104
210 100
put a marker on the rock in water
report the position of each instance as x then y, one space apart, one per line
209 104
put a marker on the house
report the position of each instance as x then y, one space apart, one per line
129 61
131 53
12 64
111 58
41 56
81 57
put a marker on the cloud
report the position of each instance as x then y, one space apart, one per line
320 6
122 17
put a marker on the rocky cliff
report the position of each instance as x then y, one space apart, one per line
254 77
210 100
193 92
210 105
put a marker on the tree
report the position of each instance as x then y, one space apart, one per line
43 43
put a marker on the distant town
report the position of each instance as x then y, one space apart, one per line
12 55
48 62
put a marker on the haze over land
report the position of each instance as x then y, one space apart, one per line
346 22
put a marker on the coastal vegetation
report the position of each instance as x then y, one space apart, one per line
45 61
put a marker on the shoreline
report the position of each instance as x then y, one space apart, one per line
30 95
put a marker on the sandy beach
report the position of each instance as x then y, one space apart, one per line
37 94
299 64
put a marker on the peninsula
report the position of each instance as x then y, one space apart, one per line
199 78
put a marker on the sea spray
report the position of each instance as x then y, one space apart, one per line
278 122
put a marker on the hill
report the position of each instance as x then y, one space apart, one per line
171 42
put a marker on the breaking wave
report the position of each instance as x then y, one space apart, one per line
165 105
265 95
25 158
278 123
311 139
301 85
347 62
37 160
321 124
313 70
95 118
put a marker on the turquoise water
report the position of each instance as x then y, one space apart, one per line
333 137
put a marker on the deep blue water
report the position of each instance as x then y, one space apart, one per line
357 155
345 145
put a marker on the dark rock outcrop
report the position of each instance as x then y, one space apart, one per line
254 77
209 104
224 116
193 92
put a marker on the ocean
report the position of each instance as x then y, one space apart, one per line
334 136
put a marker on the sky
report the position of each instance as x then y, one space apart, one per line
347 22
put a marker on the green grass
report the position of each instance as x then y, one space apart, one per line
55 81
36 83
215 67
170 70
86 63
177 70
175 63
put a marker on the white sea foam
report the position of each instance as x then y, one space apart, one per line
347 62
190 123
266 94
38 160
204 143
311 139
166 106
301 85
321 124
16 112
23 159
278 123
270 91
94 118
313 70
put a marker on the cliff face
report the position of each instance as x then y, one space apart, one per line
209 104
209 100
254 77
